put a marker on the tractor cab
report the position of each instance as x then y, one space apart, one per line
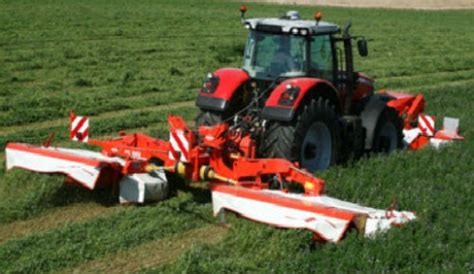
290 47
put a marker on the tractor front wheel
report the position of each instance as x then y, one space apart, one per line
312 138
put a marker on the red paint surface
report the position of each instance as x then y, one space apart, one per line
305 84
230 79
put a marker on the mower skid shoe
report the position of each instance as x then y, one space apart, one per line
83 166
327 217
143 187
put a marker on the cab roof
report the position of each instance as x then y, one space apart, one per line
291 23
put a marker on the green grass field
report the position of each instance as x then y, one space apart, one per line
129 64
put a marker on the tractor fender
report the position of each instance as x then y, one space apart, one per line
370 115
277 109
229 81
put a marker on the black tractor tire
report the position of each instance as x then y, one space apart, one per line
388 133
208 118
294 140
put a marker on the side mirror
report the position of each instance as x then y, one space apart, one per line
362 47
347 27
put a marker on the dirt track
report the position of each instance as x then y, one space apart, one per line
392 4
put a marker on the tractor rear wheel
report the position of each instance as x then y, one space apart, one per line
208 118
312 138
388 134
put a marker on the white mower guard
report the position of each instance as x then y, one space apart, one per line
327 217
85 167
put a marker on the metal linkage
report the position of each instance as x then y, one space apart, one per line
211 154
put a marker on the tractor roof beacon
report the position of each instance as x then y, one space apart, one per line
299 95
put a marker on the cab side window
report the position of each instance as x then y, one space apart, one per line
321 57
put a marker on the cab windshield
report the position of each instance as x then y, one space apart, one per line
269 55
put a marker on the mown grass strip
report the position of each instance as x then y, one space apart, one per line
54 218
25 195
393 68
81 242
421 80
34 110
48 124
430 75
152 254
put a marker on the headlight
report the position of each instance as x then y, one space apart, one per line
288 97
303 31
210 84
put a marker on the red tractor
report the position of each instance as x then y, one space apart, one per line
299 95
